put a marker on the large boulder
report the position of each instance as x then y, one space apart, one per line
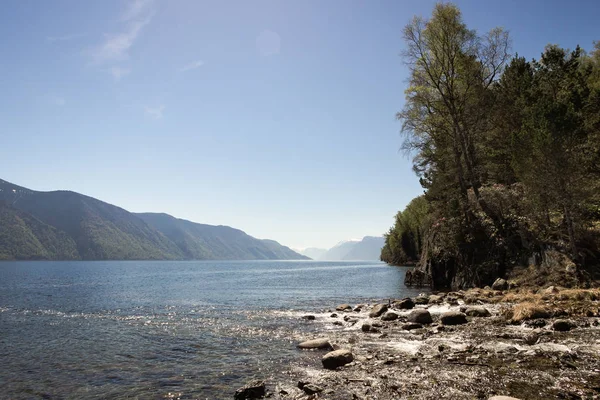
405 304
337 358
453 318
500 284
477 312
420 317
422 299
562 325
378 310
389 316
435 299
319 343
252 390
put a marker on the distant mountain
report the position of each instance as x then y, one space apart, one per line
368 248
68 225
208 242
313 252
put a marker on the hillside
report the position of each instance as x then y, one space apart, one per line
313 252
68 225
368 248
209 242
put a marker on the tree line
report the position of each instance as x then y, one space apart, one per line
507 151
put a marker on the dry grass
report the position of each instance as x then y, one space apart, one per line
529 310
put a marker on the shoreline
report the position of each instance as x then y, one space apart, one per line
524 343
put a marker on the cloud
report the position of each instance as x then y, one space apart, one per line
116 46
64 38
119 72
155 112
191 66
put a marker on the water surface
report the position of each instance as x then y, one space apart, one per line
155 330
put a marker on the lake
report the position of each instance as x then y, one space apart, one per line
161 329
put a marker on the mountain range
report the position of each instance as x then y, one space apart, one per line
365 249
64 225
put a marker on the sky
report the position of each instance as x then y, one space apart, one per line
274 117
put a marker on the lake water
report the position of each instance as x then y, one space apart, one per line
156 330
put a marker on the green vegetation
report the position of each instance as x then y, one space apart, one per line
507 150
64 225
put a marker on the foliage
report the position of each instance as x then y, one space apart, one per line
508 152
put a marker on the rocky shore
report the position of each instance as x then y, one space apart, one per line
477 344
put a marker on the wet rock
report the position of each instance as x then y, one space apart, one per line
334 315
453 318
536 323
378 310
420 317
562 325
435 299
309 317
500 284
422 299
409 326
502 398
358 308
311 388
339 323
477 312
337 358
252 390
319 343
344 307
389 316
366 327
451 300
405 304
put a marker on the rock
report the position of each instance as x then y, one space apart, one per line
405 304
477 312
536 323
310 388
334 315
420 317
389 316
562 325
453 318
339 323
358 308
252 390
502 398
319 343
344 307
377 310
435 299
409 326
500 284
366 327
309 317
337 358
453 301
422 299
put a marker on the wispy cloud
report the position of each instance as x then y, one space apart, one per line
64 38
119 72
116 46
191 66
155 112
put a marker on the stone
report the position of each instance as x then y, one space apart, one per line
550 290
319 343
310 388
405 304
339 323
337 358
477 312
502 398
409 326
435 299
334 315
344 307
422 299
562 325
366 327
309 317
453 318
378 310
500 284
420 317
252 390
389 316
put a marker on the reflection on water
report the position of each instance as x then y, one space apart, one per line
165 329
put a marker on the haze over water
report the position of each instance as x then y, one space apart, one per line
196 329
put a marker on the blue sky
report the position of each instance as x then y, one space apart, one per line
275 117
